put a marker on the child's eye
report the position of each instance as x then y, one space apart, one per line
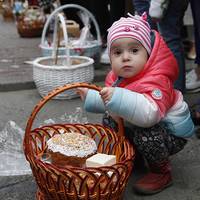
134 50
117 52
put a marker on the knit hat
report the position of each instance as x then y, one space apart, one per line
135 27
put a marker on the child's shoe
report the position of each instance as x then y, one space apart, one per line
158 8
155 181
192 81
191 55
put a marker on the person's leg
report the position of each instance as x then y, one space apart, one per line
141 6
102 15
193 77
170 29
195 7
194 81
117 10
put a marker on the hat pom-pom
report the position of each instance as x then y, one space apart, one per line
144 16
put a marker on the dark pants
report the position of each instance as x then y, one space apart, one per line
155 144
195 7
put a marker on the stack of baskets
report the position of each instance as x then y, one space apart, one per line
62 183
91 49
31 22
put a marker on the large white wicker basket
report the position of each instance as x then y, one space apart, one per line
49 75
91 49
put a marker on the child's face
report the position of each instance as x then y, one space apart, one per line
128 57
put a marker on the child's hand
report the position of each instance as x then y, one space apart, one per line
82 92
106 94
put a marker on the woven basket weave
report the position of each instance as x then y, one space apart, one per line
48 77
93 49
57 183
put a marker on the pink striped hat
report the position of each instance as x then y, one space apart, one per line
135 27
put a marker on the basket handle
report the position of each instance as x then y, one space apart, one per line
67 6
55 92
64 29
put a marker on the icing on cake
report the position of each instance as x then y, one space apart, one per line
72 144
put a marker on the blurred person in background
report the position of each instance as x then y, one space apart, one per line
193 77
168 21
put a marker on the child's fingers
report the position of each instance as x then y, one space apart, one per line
78 91
105 95
82 92
104 91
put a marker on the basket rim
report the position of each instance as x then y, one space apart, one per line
38 65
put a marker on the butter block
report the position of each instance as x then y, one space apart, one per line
100 159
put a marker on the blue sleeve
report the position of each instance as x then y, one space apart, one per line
131 106
125 109
181 126
93 102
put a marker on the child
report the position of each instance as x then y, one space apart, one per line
139 89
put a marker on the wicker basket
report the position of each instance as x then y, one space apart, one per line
93 49
48 77
59 183
7 12
30 29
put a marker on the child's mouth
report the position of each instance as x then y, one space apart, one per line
126 67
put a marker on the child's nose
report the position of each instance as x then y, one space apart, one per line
125 56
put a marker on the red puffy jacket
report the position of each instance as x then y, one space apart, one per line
159 74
